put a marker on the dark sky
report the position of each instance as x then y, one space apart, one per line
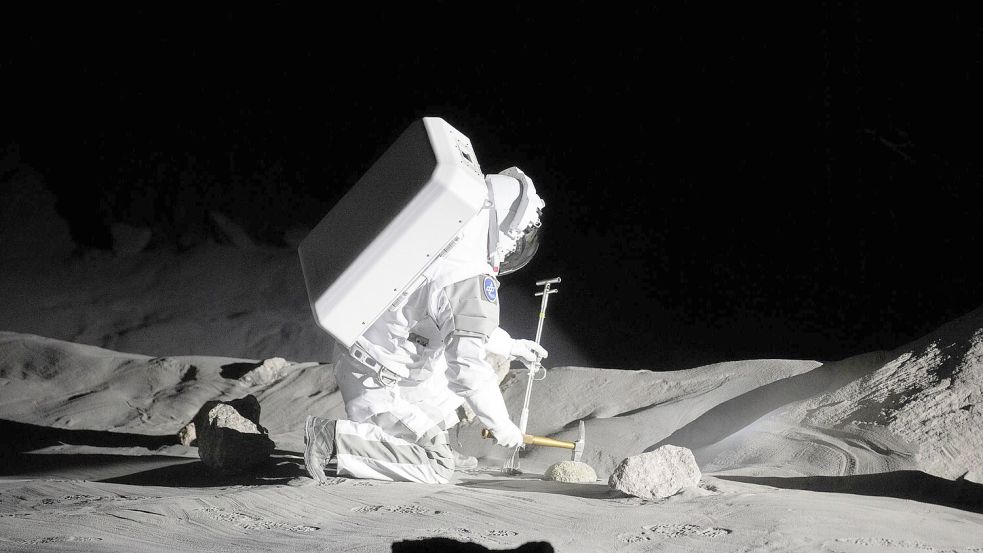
721 183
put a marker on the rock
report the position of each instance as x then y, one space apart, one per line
187 435
571 471
230 438
247 406
269 372
129 240
656 474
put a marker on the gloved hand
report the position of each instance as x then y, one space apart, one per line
527 351
490 408
507 435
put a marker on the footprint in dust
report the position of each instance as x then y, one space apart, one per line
250 522
401 509
501 533
679 530
709 487
59 539
461 534
632 537
890 543
83 499
654 531
468 535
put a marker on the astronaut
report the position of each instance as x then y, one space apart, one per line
417 364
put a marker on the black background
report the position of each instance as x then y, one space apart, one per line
721 182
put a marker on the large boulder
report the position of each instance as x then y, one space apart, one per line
229 436
656 474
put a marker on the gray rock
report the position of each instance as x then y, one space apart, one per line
247 406
230 438
269 372
656 474
187 435
571 471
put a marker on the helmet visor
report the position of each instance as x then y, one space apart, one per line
524 251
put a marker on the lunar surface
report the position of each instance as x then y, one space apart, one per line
104 359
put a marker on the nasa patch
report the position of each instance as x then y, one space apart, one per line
491 291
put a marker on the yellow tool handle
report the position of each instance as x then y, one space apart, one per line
548 442
535 440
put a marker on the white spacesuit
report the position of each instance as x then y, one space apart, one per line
411 370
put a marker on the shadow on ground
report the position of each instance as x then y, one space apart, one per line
19 437
279 470
121 466
903 484
235 371
536 485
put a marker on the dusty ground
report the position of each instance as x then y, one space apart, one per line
79 473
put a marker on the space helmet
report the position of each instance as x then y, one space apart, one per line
516 215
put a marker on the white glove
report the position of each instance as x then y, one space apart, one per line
499 343
507 435
490 408
528 351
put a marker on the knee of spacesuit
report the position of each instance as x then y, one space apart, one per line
392 426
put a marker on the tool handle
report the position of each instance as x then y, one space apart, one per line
548 442
534 440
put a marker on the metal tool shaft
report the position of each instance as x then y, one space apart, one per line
524 416
512 464
542 308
